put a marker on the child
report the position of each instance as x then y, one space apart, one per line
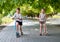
42 20
18 17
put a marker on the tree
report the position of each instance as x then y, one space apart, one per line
6 6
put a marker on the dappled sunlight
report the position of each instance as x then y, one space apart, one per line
32 23
25 23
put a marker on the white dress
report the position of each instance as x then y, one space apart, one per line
42 17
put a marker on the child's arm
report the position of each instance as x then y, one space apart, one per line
39 17
19 18
14 16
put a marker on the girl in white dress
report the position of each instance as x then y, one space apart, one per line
42 20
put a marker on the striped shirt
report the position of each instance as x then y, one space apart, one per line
16 16
42 17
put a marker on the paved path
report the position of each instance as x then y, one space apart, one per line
55 21
31 33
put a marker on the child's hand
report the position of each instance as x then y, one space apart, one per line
12 18
19 19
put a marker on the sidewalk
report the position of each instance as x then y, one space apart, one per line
54 21
31 33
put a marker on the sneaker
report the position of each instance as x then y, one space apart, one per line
45 34
40 34
21 33
17 35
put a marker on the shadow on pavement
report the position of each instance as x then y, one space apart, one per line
54 34
1 27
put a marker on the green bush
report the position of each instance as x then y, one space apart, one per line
0 21
6 20
1 18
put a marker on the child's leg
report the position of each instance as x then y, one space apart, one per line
17 27
45 28
21 29
17 30
41 28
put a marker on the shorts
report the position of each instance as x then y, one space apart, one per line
20 23
42 22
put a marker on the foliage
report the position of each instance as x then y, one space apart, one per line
9 6
6 20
